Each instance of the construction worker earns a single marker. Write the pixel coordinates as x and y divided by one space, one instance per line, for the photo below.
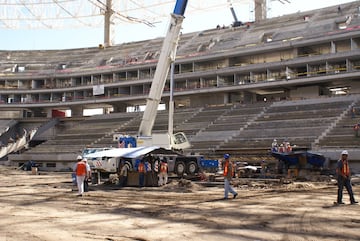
88 175
149 175
281 148
288 147
123 174
263 169
163 174
357 129
156 170
80 172
344 178
274 146
141 170
228 174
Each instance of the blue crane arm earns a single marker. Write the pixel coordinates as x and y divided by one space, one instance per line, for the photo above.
180 7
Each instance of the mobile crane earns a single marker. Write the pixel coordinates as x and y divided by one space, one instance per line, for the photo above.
146 138
177 141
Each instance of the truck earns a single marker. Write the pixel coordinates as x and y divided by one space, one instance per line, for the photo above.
108 161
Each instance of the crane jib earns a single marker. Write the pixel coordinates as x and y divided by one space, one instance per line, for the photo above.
180 7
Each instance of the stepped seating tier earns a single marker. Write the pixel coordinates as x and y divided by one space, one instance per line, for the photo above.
245 128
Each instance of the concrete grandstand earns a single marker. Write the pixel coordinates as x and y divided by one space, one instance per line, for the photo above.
294 77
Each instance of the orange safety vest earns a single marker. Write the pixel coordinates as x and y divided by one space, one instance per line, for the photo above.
141 167
81 169
163 167
345 170
289 149
226 169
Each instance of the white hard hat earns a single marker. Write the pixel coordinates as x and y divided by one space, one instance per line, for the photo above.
79 157
84 160
344 152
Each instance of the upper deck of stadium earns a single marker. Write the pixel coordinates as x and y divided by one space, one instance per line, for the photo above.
294 29
273 59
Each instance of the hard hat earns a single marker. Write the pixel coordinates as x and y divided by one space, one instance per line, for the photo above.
84 160
79 158
344 152
226 156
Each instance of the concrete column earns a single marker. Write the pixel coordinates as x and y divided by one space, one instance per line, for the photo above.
260 10
107 23
48 113
227 98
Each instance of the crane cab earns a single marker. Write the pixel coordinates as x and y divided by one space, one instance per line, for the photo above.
179 141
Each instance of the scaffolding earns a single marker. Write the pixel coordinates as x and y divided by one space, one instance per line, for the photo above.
70 14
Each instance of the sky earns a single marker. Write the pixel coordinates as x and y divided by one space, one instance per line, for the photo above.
38 39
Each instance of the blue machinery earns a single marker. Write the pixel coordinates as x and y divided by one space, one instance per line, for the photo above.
180 7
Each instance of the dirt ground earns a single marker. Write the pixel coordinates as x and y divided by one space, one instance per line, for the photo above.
45 207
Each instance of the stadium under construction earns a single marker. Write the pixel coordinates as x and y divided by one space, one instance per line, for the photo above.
236 88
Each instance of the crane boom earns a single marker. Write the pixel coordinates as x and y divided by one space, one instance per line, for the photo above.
232 11
236 22
167 56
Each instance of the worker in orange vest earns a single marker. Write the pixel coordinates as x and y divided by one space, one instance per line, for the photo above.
344 178
141 170
281 148
88 175
80 172
163 174
228 174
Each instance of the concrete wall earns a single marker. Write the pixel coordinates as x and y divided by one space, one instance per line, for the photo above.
355 87
305 92
10 114
209 99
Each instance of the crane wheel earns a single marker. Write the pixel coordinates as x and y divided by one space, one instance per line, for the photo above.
180 168
192 168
